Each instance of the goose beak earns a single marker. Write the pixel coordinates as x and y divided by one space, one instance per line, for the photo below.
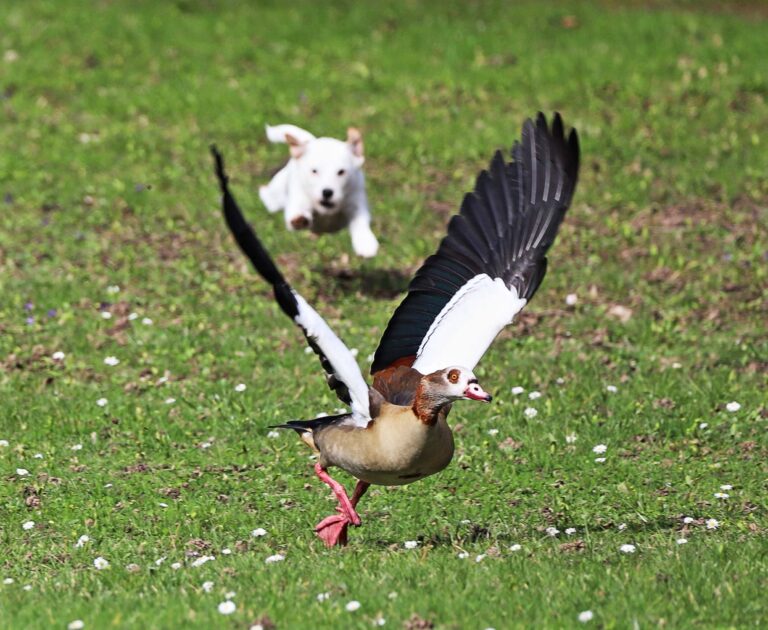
475 392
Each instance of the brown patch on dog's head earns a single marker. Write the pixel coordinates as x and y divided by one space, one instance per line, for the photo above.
297 148
355 142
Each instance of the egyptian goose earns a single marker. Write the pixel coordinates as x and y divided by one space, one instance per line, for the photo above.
485 271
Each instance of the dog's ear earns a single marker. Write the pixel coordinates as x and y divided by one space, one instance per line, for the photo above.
296 147
355 142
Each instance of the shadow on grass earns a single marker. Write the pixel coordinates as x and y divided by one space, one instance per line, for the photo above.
382 284
476 532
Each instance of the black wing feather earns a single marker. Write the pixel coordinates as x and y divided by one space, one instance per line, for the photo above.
504 229
247 240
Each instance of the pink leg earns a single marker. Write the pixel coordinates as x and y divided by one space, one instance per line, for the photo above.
341 495
333 529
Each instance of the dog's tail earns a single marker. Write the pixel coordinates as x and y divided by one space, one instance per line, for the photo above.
279 134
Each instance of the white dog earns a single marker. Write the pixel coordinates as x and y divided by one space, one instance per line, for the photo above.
322 187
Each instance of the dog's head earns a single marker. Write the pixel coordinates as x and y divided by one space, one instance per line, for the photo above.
327 166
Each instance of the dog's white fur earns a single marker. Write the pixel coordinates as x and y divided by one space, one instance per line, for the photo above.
322 187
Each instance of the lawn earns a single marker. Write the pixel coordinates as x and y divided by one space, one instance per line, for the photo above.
112 245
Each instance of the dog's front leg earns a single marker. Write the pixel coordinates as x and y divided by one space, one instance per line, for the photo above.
363 240
274 194
298 211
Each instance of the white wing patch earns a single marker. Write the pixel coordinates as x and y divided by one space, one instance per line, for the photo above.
468 324
344 363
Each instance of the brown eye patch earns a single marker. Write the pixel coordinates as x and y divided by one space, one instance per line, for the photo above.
453 376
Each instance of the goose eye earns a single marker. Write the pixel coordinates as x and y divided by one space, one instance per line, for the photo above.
453 376
341 172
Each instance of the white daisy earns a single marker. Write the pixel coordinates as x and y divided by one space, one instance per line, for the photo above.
703 425
111 361
688 520
480 557
76 447
585 616
147 321
411 544
176 566
240 387
208 586
160 561
571 299
226 552
38 456
58 355
599 449
227 607
612 389
101 563
622 527
273 435
113 288
462 555
722 495
106 315
534 395
627 548
733 406
493 432
22 472
321 597
726 486
530 412
352 606
570 531
133 316
77 624
258 532
202 560
552 531
8 581
3 442
515 547
712 523
102 402
570 438
170 401
27 587
28 525
681 541
599 460
517 390
278 557
81 541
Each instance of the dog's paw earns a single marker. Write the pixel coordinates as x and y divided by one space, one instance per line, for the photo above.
365 244
299 223
272 204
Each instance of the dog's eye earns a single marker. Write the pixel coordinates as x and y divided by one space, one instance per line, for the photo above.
341 172
314 171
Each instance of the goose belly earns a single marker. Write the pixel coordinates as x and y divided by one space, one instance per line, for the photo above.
390 454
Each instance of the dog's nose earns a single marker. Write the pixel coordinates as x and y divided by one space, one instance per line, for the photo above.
327 193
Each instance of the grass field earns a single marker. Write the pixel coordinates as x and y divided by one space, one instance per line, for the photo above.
105 181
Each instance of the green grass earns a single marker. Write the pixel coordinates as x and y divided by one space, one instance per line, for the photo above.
669 221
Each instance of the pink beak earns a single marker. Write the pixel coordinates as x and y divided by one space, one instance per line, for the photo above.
475 392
